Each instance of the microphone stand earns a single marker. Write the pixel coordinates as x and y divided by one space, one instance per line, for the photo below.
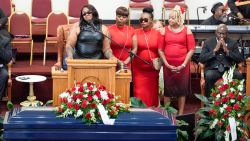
131 54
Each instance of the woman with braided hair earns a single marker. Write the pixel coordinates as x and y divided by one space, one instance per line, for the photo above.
176 49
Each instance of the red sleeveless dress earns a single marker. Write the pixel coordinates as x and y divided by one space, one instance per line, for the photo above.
145 77
122 36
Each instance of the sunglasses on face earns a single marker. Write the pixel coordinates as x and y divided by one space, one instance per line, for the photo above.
141 20
85 13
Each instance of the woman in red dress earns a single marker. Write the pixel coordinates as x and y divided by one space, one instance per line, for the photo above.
176 50
145 77
123 35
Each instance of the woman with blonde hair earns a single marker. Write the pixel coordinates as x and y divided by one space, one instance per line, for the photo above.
176 49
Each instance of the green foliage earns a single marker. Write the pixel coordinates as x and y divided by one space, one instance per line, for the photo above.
10 105
137 103
50 102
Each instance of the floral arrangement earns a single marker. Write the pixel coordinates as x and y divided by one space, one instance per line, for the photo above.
82 100
223 115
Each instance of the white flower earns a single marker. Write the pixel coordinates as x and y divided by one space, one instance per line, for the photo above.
78 101
104 95
232 89
232 100
221 109
226 136
214 123
85 96
224 93
79 113
240 87
64 94
239 114
224 105
217 96
95 89
95 97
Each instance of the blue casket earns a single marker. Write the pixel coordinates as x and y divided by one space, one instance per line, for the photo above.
42 124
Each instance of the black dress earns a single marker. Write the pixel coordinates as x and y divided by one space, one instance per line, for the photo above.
89 43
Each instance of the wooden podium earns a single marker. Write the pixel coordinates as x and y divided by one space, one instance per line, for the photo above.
99 71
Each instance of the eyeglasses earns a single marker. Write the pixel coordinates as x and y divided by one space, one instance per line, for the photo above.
85 13
141 20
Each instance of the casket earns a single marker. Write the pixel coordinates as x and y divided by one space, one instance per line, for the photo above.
42 124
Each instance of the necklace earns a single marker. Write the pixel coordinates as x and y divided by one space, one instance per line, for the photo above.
125 40
146 39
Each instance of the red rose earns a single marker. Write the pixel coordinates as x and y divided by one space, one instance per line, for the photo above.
97 93
217 103
234 83
228 128
59 109
101 87
80 89
90 88
212 112
65 100
231 95
111 96
111 112
90 98
70 105
93 105
117 107
89 84
104 102
225 116
73 89
228 108
225 86
77 106
236 107
88 116
84 103
74 97
80 96
214 94
220 123
239 97
224 99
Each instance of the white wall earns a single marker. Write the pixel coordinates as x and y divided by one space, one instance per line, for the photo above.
106 8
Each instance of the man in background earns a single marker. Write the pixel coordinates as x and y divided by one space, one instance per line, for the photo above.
5 58
3 22
218 54
219 15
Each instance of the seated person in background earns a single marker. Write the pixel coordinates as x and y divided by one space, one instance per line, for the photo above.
241 11
219 15
62 35
5 58
218 54
159 26
3 22
85 40
123 35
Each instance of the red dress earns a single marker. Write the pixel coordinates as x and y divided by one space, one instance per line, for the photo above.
176 47
145 77
122 36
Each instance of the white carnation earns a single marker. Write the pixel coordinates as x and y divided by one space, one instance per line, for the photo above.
104 95
232 89
221 109
78 101
64 94
232 100
214 123
79 113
